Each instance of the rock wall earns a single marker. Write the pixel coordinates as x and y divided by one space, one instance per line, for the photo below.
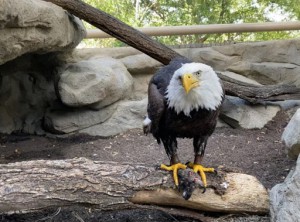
47 86
31 34
238 61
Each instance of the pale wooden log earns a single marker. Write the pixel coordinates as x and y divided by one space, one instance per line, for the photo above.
34 185
243 190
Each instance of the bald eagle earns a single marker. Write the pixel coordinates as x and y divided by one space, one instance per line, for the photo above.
184 100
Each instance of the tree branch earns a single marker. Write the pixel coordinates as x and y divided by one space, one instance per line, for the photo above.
258 94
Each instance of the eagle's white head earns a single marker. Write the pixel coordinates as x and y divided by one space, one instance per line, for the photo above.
194 86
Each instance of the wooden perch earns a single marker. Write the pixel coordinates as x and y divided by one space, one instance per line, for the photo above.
125 33
33 185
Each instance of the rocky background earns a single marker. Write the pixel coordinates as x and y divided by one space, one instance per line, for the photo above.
47 87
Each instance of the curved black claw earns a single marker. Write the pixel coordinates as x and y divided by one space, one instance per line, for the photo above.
216 172
204 190
157 167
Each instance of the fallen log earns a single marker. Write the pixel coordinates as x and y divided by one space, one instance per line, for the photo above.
34 185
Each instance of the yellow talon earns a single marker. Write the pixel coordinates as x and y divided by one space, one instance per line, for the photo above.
201 169
174 168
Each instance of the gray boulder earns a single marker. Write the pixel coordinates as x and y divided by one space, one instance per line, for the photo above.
129 115
284 198
36 26
268 62
291 136
96 82
237 113
142 63
211 56
63 121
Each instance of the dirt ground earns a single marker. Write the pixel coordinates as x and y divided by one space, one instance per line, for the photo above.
257 152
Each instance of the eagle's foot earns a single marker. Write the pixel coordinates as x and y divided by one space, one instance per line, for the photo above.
175 167
201 169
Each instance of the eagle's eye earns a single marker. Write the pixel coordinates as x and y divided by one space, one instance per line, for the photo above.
179 78
198 73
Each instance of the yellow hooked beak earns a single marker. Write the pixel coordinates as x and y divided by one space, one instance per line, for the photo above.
189 81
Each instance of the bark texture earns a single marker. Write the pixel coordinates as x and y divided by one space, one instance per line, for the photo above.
33 185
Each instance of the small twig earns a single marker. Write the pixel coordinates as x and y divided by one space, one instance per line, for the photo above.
51 216
77 216
170 215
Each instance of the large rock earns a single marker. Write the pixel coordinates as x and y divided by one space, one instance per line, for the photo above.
98 82
291 136
284 198
267 62
63 121
278 51
268 72
36 26
237 113
129 115
240 78
106 122
212 57
140 64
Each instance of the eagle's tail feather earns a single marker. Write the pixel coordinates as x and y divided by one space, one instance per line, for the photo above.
147 125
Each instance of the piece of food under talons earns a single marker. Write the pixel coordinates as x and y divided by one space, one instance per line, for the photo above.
201 169
188 181
175 167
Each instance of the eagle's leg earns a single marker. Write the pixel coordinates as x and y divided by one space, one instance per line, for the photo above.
199 148
170 145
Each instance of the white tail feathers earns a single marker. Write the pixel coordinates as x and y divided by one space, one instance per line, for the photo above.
147 125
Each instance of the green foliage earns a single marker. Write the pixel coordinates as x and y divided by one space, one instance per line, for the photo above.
143 13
